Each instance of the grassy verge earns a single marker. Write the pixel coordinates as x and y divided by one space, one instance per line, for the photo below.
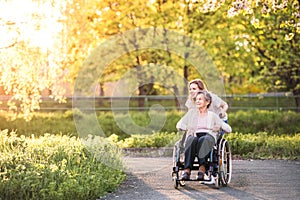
57 167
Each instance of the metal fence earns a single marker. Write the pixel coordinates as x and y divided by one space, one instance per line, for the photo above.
274 101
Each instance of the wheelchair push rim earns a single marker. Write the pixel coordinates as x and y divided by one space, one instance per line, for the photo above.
225 163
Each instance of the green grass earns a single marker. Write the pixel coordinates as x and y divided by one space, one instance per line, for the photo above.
252 121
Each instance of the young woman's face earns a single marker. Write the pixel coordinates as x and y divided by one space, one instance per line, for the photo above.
194 89
201 101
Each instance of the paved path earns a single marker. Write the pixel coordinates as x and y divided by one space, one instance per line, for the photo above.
150 178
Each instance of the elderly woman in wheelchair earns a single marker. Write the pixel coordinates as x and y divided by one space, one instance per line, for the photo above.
202 128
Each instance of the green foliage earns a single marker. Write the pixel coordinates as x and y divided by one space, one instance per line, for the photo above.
155 140
264 145
57 167
277 46
41 123
257 146
273 122
256 120
251 121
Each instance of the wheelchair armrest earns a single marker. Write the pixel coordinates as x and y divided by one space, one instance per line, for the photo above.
181 130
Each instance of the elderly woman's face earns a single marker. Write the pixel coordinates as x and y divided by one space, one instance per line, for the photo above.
201 102
194 89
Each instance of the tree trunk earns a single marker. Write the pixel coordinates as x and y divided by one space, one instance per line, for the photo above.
101 94
141 102
185 79
297 98
176 92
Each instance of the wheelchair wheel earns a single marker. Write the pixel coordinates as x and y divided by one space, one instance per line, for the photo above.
225 163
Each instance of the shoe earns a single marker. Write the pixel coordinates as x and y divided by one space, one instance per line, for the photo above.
200 176
185 176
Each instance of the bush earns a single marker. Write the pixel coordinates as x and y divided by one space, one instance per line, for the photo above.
57 167
155 140
264 145
273 122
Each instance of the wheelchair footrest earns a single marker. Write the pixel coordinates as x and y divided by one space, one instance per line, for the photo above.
194 179
206 180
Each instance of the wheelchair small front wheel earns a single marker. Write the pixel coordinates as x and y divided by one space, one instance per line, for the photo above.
182 183
175 179
217 181
175 183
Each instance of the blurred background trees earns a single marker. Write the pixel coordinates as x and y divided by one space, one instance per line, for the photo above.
253 43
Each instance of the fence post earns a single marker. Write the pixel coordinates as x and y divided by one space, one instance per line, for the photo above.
146 102
277 103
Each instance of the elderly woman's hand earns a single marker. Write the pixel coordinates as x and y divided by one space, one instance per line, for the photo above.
222 115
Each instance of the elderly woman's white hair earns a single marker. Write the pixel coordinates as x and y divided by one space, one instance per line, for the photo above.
206 95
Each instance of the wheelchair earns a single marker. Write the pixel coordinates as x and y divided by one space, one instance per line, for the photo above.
218 164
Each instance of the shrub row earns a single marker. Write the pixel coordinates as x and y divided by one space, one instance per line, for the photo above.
261 145
272 122
154 140
57 167
252 121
